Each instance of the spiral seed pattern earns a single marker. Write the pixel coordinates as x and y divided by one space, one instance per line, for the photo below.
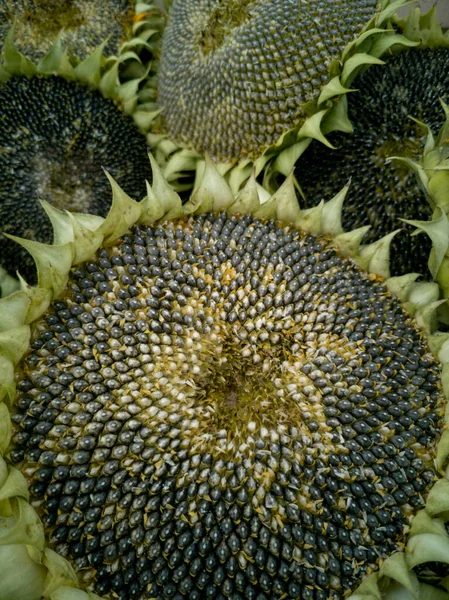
221 407
234 76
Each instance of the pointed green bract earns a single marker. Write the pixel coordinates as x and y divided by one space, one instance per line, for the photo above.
148 22
135 65
432 171
212 195
424 30
247 201
91 71
15 560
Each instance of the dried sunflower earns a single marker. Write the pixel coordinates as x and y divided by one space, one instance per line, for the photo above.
59 127
410 84
86 25
252 82
210 403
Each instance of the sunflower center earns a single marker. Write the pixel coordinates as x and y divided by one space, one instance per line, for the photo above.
67 185
245 397
50 17
409 144
225 17
240 388
235 391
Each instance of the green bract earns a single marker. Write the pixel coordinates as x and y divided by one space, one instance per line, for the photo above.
286 105
77 237
138 55
431 170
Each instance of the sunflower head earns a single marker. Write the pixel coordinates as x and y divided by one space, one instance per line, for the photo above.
86 25
266 76
61 126
194 386
386 113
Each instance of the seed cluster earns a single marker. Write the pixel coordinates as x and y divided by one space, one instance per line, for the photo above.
409 85
86 25
55 139
235 75
221 407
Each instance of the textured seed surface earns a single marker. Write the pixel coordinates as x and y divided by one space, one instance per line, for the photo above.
409 85
234 75
56 137
224 408
86 24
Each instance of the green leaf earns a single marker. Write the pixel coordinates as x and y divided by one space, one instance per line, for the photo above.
247 201
427 547
14 486
286 159
89 70
23 527
349 242
213 192
5 429
60 573
124 213
395 568
377 255
52 262
165 194
13 61
7 384
15 342
438 498
333 88
332 212
13 310
312 128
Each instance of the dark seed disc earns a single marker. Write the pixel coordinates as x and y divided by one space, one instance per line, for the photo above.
56 137
410 84
257 418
